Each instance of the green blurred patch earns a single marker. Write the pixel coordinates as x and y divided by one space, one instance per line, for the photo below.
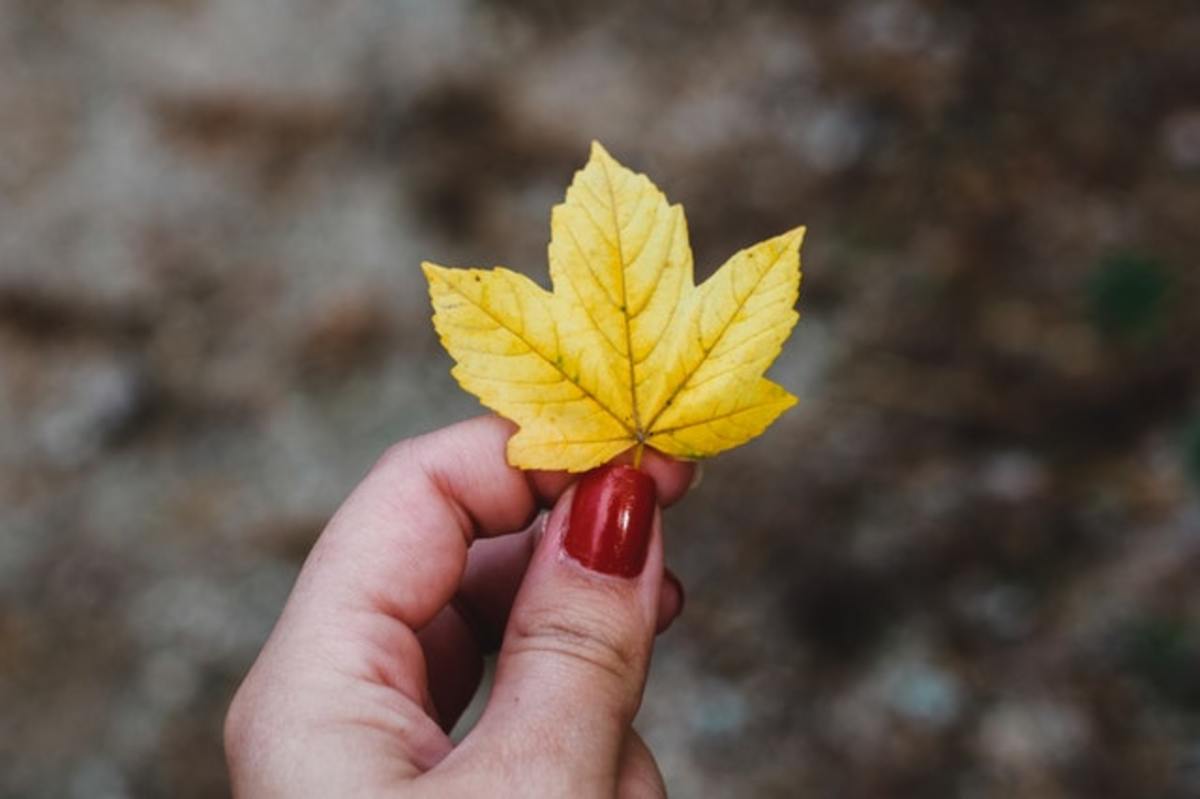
1191 450
1127 295
1163 653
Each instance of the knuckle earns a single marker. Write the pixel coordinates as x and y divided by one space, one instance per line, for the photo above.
394 456
590 640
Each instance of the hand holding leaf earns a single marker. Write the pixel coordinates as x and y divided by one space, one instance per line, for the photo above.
627 350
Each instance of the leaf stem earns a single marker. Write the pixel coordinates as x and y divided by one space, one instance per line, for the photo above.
637 454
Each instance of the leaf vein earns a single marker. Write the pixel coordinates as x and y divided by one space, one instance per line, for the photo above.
688 377
554 364
710 419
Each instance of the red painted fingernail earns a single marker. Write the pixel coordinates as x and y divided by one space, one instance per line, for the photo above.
610 520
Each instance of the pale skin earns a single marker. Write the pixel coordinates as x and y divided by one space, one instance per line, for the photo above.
437 556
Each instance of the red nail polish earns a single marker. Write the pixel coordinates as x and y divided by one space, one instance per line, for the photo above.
610 523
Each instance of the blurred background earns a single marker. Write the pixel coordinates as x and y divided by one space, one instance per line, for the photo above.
966 565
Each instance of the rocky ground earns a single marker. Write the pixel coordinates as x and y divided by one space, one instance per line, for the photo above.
967 565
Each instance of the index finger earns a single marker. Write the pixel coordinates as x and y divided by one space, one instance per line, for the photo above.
397 548
399 542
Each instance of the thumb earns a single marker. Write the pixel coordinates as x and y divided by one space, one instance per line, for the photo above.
576 651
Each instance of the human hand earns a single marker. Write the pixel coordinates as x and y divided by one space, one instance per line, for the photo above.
434 555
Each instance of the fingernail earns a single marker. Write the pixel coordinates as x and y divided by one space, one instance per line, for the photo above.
613 509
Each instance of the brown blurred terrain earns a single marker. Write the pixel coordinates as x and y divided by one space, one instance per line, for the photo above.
967 565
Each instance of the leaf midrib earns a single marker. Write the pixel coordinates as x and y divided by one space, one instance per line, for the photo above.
637 432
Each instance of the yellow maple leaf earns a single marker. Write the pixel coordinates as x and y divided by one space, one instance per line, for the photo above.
626 351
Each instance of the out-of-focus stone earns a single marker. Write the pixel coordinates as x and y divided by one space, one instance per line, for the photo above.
1181 138
721 710
889 26
1012 476
830 137
908 685
1005 611
1032 734
38 126
98 778
87 403
169 680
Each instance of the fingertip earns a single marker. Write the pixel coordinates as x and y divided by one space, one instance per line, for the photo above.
671 601
677 585
549 486
672 477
